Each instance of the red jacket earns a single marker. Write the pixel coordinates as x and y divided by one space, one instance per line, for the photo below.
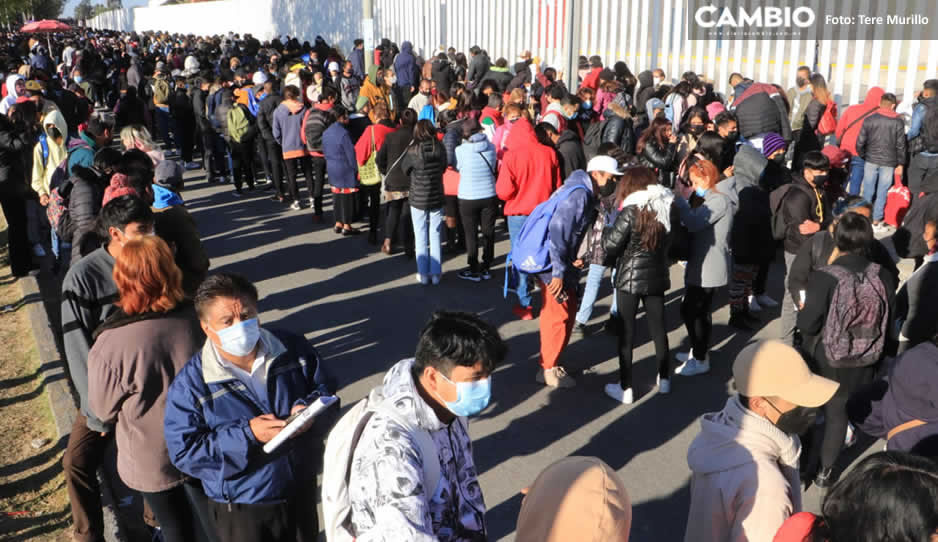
592 79
848 138
795 528
363 146
529 173
491 113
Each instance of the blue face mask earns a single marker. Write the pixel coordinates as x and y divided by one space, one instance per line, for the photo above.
239 339
701 192
471 397
79 79
587 104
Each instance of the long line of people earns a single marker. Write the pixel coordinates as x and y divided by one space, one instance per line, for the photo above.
627 173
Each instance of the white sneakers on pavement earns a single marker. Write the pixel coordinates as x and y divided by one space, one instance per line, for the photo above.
664 386
615 391
423 279
691 366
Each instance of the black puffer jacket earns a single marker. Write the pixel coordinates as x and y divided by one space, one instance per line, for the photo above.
570 153
14 143
761 111
751 238
84 204
619 129
425 162
265 116
452 139
882 139
478 67
394 145
908 238
638 271
664 161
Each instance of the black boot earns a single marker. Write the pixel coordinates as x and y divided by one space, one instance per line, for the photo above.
742 320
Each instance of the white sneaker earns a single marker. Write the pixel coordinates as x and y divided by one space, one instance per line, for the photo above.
766 301
754 305
693 367
664 386
422 279
683 356
435 280
616 392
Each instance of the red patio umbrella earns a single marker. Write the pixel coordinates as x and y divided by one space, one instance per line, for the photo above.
45 25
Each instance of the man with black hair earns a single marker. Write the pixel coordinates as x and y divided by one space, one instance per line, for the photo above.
88 296
478 66
85 195
806 209
447 381
357 58
882 146
180 107
317 120
499 74
923 137
274 164
556 112
96 136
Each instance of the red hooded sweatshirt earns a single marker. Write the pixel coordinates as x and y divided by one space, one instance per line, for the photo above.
529 173
848 130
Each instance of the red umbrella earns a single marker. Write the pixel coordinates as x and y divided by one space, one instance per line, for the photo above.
45 25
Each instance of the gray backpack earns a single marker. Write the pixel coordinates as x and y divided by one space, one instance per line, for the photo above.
855 331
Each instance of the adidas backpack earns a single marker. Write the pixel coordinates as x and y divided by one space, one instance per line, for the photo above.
855 331
531 253
340 450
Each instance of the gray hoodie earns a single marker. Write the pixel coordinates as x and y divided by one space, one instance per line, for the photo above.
745 480
710 225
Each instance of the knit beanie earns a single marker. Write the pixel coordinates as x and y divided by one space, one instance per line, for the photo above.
772 142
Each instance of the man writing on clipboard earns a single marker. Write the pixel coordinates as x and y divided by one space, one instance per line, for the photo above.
232 398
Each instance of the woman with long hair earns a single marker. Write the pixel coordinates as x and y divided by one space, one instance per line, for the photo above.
136 354
639 240
657 149
136 136
425 162
708 217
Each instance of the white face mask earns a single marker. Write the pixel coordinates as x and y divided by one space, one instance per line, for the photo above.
392 80
656 81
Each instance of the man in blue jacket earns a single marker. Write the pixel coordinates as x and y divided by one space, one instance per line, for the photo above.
568 225
230 399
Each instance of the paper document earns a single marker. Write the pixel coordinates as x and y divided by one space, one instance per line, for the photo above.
299 421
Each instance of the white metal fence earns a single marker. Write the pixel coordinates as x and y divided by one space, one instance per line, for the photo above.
645 34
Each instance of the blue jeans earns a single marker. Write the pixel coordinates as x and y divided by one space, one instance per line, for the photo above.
594 279
876 181
515 223
61 249
856 175
427 264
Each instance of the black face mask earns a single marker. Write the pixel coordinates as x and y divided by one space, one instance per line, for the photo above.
696 129
607 189
800 81
797 421
819 180
779 159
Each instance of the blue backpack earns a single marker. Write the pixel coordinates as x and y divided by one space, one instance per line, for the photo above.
531 253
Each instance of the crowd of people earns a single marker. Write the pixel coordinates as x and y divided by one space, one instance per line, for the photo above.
631 174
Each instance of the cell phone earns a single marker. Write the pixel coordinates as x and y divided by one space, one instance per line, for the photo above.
562 297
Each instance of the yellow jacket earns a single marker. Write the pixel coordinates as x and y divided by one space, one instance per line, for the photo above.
42 170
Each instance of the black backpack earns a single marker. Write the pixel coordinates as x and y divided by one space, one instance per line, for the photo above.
929 130
776 201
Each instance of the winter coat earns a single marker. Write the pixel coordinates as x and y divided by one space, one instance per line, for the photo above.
265 116
387 469
812 318
816 252
751 240
760 109
638 271
570 153
645 91
915 306
81 152
357 57
288 120
710 226
425 162
478 66
130 367
339 152
906 393
43 168
13 145
501 77
389 164
882 139
476 159
848 127
84 205
225 101
314 126
442 74
376 93
176 226
619 129
363 146
800 204
744 477
180 107
798 101
662 160
348 90
528 174
567 228
208 414
592 78
924 209
405 67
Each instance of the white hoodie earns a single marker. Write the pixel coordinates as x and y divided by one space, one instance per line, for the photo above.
745 480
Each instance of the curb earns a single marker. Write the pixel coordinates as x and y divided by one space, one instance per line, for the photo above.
57 387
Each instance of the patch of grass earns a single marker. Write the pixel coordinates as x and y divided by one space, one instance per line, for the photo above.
33 498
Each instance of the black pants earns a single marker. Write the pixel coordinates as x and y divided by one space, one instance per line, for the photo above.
343 207
696 311
293 520
399 216
177 511
242 160
14 209
654 315
316 180
293 166
273 165
213 154
835 410
758 286
920 167
371 200
185 138
478 213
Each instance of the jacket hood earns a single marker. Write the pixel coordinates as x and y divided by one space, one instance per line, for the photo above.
373 74
728 188
521 135
164 197
913 383
651 105
576 498
400 392
749 165
407 48
734 437
11 84
56 118
887 113
645 79
477 142
873 96
580 177
568 136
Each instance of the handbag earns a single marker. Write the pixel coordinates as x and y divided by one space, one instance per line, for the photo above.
368 172
898 201
828 122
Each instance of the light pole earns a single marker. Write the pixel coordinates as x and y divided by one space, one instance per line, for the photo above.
368 33
571 41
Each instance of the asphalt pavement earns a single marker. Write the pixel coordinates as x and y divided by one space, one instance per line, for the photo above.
363 312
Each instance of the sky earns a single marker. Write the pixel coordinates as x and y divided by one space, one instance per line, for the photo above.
70 5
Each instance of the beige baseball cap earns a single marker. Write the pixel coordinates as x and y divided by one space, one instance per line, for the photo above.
774 369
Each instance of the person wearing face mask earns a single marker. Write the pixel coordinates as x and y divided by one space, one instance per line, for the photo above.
745 460
915 309
88 296
799 96
856 297
691 129
422 98
235 395
448 380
